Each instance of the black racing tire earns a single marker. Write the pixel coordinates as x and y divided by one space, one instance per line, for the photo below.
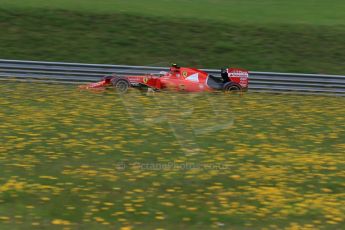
232 87
121 85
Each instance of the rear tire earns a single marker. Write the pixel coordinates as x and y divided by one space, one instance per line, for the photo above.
231 87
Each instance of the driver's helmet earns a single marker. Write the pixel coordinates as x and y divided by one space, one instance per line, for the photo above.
174 68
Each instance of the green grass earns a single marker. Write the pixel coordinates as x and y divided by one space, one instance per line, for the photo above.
277 159
225 11
269 35
280 159
128 39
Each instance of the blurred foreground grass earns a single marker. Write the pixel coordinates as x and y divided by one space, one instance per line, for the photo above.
84 160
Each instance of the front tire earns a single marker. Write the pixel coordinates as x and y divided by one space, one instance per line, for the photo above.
121 85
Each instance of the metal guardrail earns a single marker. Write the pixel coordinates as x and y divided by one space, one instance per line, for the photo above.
73 73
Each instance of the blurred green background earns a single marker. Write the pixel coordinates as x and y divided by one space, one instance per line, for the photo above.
268 35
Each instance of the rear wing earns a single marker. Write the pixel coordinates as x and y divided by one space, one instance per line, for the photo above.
239 76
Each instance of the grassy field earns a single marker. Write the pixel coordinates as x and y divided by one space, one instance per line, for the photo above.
224 11
287 36
84 160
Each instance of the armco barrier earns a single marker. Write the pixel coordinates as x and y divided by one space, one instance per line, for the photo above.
60 72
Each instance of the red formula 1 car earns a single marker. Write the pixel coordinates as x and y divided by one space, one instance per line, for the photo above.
178 79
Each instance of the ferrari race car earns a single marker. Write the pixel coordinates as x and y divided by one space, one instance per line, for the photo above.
178 79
